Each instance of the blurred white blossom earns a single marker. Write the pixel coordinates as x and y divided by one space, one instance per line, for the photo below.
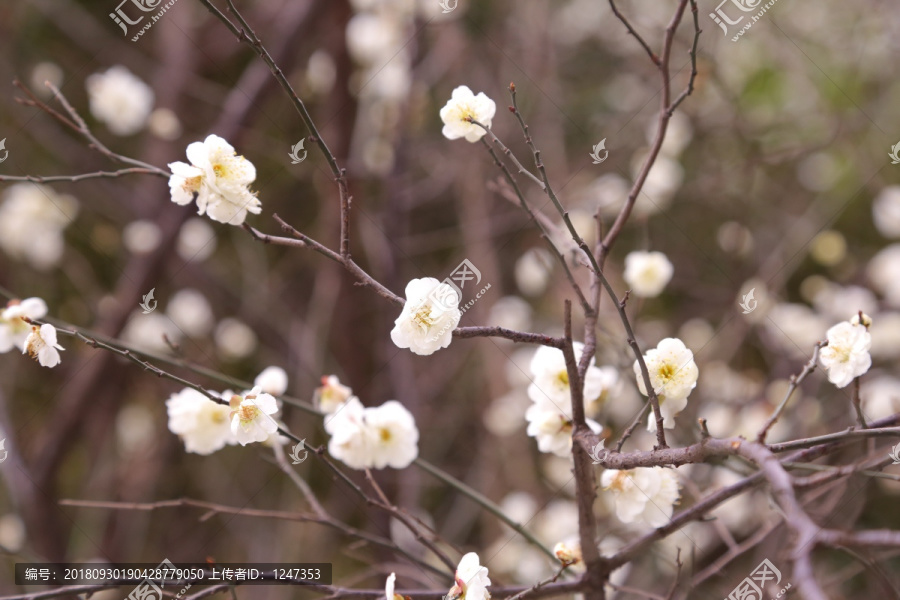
462 106
220 179
234 339
428 318
119 99
846 356
32 220
141 237
196 240
642 495
190 311
532 271
331 394
886 212
203 424
164 124
272 380
884 273
14 329
647 273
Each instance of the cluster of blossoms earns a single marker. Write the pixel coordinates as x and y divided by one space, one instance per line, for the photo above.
673 374
846 356
643 495
550 414
373 437
205 425
16 331
32 220
428 318
219 178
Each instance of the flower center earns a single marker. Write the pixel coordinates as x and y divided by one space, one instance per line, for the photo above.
563 378
247 413
618 484
385 434
666 371
423 317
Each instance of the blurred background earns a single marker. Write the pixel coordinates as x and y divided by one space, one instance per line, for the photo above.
775 177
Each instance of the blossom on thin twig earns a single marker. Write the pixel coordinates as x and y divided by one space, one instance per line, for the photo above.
202 424
846 356
331 394
471 580
642 495
463 108
251 419
673 374
41 345
219 178
428 318
375 437
647 273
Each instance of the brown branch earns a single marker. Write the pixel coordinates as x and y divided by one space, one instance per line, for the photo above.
80 177
631 30
796 380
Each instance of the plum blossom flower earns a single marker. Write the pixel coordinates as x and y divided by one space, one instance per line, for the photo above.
647 273
642 495
251 419
553 429
119 99
14 329
550 379
471 580
568 553
428 319
219 177
203 424
389 588
349 441
272 380
41 345
375 437
331 394
462 107
846 356
673 374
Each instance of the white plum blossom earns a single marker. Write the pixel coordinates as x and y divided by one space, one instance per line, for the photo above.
203 424
14 329
272 380
331 394
395 439
32 220
463 106
375 437
642 495
550 379
553 429
389 588
119 99
673 374
647 273
251 416
846 356
428 319
568 553
349 441
471 580
219 177
41 345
